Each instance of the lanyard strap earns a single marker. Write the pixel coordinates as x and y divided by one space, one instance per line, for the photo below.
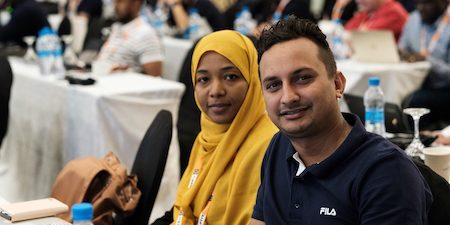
436 36
338 9
204 213
197 168
202 217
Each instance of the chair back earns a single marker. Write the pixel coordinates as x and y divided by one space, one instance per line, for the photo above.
149 166
188 124
440 189
6 78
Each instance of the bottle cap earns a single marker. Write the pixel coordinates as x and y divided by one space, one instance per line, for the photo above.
374 81
82 211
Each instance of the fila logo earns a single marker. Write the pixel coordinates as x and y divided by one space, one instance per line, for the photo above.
327 211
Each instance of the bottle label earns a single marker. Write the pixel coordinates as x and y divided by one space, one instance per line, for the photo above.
374 115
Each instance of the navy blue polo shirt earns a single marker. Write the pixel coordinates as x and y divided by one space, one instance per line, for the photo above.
367 180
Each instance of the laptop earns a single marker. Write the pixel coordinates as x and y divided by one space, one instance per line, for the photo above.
374 46
393 115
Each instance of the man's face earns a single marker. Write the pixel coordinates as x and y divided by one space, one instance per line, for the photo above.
369 5
124 10
300 96
430 10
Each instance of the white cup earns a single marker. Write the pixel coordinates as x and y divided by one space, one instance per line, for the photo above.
438 159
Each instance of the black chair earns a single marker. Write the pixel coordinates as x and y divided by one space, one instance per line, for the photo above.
6 78
188 124
149 166
440 188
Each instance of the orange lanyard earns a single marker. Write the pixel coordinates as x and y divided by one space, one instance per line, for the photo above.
282 5
436 36
338 9
204 213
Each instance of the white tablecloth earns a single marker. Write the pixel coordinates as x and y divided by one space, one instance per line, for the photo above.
52 122
175 50
396 80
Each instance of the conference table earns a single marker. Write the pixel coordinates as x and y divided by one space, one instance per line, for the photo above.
396 80
52 122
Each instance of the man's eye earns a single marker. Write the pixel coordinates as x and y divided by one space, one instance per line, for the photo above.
302 78
273 86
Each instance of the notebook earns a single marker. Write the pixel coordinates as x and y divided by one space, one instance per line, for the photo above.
393 115
374 46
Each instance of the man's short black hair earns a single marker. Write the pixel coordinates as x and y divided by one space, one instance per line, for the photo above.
293 28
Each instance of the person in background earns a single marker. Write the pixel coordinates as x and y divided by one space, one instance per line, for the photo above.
86 8
379 15
27 18
409 5
426 36
281 8
221 179
323 167
133 44
341 10
179 13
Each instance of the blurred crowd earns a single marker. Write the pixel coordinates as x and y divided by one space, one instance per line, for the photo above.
127 33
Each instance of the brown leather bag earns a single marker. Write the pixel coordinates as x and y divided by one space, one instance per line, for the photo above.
104 183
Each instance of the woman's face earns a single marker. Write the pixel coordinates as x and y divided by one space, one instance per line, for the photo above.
220 87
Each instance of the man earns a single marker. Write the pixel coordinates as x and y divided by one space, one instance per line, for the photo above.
323 167
379 15
133 44
426 36
27 18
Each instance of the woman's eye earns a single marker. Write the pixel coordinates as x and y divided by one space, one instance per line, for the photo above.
231 77
202 79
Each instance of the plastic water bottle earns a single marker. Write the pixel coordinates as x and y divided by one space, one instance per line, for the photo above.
49 51
82 214
244 23
58 69
194 31
338 45
44 51
374 105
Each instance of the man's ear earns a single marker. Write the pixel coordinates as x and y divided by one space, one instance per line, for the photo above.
339 84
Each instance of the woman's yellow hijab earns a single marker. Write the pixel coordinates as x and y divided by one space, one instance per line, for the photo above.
230 155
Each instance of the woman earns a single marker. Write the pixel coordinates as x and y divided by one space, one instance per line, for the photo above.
222 176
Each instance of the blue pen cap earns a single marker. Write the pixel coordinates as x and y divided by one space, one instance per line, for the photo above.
82 211
374 81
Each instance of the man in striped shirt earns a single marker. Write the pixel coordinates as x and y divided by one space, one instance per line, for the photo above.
133 44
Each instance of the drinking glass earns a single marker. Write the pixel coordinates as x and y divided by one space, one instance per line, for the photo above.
415 148
30 55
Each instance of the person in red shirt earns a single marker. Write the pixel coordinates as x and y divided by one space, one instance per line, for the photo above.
379 15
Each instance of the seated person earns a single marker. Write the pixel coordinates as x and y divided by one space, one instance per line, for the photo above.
133 44
27 18
379 15
222 174
86 8
281 8
342 10
323 167
426 36
179 9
